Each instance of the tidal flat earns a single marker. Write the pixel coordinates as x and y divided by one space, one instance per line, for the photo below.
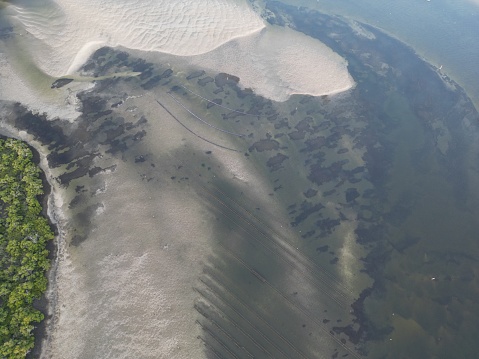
201 220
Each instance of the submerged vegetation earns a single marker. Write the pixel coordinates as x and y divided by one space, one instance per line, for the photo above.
24 234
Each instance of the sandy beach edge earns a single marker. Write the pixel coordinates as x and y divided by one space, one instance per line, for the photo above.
48 303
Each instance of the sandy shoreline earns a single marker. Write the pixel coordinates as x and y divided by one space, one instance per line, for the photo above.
57 220
73 289
275 62
161 233
59 28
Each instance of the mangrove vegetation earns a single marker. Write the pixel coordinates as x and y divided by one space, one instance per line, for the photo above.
24 234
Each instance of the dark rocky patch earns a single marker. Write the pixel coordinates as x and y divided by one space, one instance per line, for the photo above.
57 159
304 124
42 130
77 240
76 201
275 162
329 193
122 56
321 175
282 123
307 209
264 145
140 159
117 104
223 79
155 80
195 75
310 193
327 226
140 65
322 249
272 117
80 189
206 80
308 234
322 126
67 177
216 101
60 83
92 104
398 214
94 171
316 143
297 135
151 83
351 194
116 130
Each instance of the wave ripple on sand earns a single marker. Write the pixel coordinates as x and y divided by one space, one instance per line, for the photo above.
278 62
225 36
66 28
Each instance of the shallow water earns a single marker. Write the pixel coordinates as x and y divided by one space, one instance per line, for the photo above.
443 32
336 226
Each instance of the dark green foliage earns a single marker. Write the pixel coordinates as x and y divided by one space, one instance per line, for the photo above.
24 234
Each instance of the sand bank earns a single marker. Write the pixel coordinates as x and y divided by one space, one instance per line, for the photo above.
223 36
278 62
67 31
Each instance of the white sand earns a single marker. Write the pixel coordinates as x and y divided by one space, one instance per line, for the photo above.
69 30
127 290
278 62
225 36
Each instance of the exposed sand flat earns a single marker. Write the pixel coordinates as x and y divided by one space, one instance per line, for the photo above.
278 62
66 33
223 36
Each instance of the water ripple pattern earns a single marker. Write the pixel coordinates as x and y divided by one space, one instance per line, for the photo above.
69 31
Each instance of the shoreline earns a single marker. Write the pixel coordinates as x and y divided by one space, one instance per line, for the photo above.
55 215
41 330
453 74
46 304
193 34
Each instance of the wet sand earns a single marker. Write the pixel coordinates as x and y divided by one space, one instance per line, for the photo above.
181 240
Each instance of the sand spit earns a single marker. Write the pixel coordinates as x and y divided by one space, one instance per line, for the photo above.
278 62
222 36
66 33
